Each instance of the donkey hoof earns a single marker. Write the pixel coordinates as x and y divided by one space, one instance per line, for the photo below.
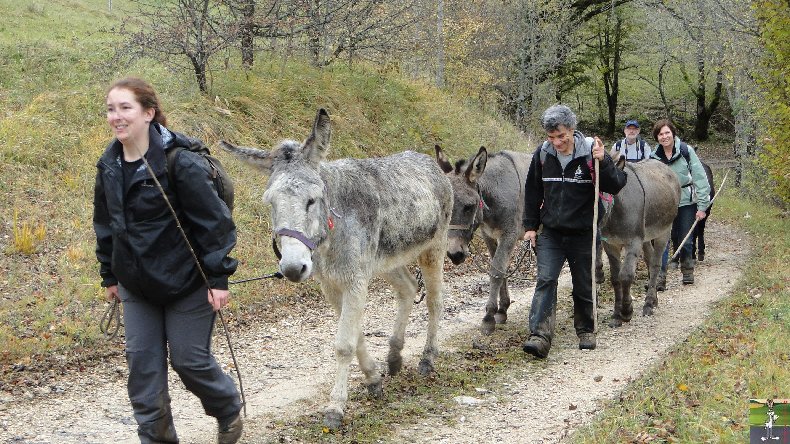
375 390
615 322
500 318
488 327
425 367
394 365
333 419
647 310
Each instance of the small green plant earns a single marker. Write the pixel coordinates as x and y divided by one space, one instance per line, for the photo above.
26 236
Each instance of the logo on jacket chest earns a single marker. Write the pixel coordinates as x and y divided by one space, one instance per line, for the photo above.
578 174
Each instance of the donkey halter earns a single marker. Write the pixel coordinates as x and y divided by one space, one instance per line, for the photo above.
301 237
470 227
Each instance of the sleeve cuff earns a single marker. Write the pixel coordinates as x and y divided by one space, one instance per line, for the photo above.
218 282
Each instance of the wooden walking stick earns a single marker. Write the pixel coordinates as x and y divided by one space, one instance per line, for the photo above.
595 250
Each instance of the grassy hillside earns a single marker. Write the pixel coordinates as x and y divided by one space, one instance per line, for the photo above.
54 68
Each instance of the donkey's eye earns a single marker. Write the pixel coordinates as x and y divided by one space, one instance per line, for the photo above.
310 203
469 208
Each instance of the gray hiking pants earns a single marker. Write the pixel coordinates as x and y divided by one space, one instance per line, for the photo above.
185 327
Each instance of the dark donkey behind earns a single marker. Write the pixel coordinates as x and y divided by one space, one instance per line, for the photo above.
348 220
488 192
698 239
639 221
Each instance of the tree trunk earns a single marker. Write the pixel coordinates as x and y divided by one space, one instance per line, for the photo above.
248 34
314 32
440 44
705 112
200 73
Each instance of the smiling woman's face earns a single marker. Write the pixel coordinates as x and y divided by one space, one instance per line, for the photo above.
665 137
127 118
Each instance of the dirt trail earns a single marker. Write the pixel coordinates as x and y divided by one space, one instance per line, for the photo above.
288 368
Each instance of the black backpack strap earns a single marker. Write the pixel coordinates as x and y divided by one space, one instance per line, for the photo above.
684 151
171 155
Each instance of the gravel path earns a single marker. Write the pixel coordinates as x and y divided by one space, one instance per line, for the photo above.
288 367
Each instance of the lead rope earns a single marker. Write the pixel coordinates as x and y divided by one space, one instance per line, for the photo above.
112 315
202 274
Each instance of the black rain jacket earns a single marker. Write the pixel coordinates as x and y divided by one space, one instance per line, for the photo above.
138 241
563 199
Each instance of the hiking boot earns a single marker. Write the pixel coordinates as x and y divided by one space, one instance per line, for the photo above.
537 347
230 433
587 341
688 276
687 268
661 281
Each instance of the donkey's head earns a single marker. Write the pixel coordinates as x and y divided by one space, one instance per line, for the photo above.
617 158
297 195
467 201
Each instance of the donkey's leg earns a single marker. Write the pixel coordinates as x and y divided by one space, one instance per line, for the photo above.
368 367
431 263
498 296
599 276
627 276
504 252
405 286
349 303
701 239
653 258
613 254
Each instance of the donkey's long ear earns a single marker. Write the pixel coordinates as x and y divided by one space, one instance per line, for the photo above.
477 166
443 160
618 158
261 159
316 146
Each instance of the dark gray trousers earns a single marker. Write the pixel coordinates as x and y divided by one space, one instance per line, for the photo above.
553 249
184 327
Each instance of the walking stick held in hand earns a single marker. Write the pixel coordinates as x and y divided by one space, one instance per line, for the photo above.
595 250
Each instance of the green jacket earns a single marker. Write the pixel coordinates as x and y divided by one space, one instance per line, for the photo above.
694 187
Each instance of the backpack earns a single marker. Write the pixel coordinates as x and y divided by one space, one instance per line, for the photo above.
220 177
684 152
641 148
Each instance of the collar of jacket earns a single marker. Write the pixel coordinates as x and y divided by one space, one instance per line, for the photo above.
159 137
660 155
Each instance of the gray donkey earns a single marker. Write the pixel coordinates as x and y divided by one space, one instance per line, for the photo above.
640 221
348 220
488 192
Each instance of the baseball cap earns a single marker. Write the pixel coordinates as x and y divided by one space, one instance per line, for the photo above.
632 122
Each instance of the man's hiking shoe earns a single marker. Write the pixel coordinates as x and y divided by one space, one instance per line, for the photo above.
537 347
587 341
688 276
230 433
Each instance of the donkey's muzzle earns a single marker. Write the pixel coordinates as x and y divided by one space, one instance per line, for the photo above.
457 257
295 272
